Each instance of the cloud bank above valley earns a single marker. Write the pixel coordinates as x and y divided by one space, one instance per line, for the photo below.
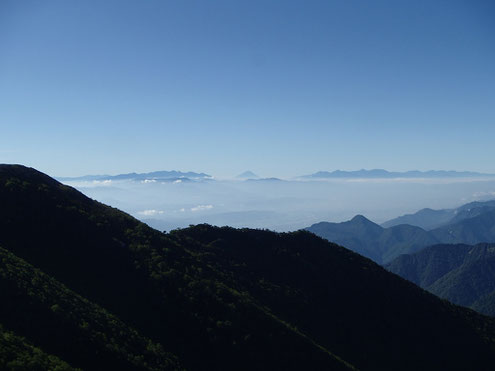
281 205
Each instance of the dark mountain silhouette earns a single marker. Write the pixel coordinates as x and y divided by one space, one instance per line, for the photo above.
430 219
381 173
217 298
155 175
462 274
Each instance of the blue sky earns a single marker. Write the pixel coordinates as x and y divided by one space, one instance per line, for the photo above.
279 87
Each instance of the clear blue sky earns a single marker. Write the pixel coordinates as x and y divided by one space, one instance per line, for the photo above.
279 87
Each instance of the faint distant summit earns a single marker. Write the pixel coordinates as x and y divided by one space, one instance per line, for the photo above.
381 173
247 175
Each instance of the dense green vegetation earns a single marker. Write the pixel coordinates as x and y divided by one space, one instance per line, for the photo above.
217 298
463 274
69 325
18 354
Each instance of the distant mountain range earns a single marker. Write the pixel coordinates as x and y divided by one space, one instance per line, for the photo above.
430 219
381 173
471 224
462 274
86 286
155 175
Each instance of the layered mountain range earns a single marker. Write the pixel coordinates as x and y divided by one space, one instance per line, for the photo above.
86 286
470 224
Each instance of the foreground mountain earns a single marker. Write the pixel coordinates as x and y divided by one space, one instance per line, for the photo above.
380 173
18 354
210 298
430 219
463 274
67 324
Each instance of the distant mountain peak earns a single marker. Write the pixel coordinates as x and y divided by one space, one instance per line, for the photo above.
361 219
247 175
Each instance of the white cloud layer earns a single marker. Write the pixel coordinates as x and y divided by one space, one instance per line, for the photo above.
102 182
152 212
201 208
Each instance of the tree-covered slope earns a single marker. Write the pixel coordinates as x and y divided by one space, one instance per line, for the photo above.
16 353
480 228
70 326
221 298
146 278
463 274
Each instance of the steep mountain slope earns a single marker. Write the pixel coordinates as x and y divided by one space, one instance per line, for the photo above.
463 274
146 278
81 332
369 239
18 354
221 298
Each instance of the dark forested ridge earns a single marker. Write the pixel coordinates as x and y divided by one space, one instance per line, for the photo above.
463 274
211 298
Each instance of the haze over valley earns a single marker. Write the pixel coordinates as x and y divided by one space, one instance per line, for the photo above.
168 200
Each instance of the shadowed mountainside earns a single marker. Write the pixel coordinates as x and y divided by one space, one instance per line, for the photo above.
463 274
217 298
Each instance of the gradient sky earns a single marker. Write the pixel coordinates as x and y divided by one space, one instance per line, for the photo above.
278 87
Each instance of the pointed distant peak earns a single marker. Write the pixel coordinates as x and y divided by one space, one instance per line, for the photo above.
247 175
360 219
